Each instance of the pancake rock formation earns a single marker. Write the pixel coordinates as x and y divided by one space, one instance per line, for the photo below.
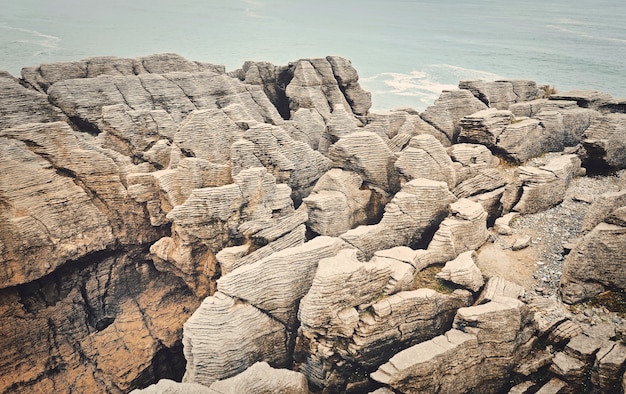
168 226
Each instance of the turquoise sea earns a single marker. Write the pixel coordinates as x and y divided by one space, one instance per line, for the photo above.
406 51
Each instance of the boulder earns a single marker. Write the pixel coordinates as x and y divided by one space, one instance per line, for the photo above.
544 187
609 365
168 386
418 208
19 105
595 264
225 336
584 98
449 109
499 287
470 160
502 94
425 157
399 125
463 271
602 207
516 139
604 142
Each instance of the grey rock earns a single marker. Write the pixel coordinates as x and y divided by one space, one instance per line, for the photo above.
584 98
276 283
499 287
426 158
167 386
602 207
610 362
419 206
502 94
470 159
521 243
554 386
604 142
449 109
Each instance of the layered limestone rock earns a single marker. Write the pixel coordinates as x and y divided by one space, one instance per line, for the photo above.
502 94
544 187
45 75
604 142
209 220
338 203
483 347
425 157
449 109
346 325
463 271
516 139
225 336
469 160
464 230
366 154
400 125
596 263
261 378
417 208
285 276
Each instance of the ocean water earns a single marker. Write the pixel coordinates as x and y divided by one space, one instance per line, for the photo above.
406 51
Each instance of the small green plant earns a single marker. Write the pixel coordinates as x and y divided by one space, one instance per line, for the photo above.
427 278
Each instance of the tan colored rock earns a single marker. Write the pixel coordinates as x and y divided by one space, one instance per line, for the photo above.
610 362
464 230
602 207
261 378
225 336
340 284
554 386
403 320
425 157
568 368
594 264
418 207
463 271
486 180
470 160
449 109
499 287
400 125
286 277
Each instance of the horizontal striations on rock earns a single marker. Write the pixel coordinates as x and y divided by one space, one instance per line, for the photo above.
502 94
225 336
605 143
449 109
338 203
19 105
417 208
286 277
425 157
261 378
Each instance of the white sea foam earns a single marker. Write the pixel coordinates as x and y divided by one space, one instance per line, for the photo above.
587 35
46 41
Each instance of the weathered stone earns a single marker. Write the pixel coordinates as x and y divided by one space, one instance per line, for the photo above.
563 332
486 180
544 187
583 347
568 368
536 360
497 286
225 336
167 386
347 78
340 284
461 361
604 142
503 224
464 230
594 264
426 158
602 208
417 208
261 378
528 108
449 108
463 271
523 388
554 386
521 243
485 127
338 203
502 94
584 98
400 125
366 154
470 159
286 277
609 365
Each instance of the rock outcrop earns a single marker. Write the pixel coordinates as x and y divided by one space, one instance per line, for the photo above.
261 231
